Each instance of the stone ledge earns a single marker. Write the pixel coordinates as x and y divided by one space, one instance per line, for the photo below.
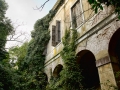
103 61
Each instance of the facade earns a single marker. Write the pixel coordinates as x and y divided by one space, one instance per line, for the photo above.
98 45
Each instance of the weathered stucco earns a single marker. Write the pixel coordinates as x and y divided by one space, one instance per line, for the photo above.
98 43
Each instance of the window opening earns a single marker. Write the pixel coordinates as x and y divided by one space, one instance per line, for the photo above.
77 18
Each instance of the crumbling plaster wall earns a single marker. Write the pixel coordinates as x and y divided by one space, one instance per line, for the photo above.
63 14
98 43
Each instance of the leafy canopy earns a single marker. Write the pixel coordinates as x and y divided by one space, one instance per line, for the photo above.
5 28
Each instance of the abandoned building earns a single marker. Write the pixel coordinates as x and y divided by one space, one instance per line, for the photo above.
98 44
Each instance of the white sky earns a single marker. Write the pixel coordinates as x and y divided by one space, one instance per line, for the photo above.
21 11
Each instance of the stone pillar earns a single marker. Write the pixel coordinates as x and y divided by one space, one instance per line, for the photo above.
106 74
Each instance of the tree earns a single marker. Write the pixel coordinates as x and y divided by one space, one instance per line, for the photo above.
5 29
6 76
17 54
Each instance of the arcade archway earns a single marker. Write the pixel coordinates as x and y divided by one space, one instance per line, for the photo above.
114 53
57 70
86 61
114 47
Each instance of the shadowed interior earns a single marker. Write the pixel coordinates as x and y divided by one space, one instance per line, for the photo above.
86 61
57 70
114 47
114 53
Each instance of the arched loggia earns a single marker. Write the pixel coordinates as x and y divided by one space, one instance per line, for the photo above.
86 61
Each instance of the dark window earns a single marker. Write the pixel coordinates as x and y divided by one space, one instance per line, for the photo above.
77 18
56 33
53 35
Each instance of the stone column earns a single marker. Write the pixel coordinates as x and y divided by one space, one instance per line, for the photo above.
106 74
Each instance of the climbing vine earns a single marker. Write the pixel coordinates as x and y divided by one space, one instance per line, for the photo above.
33 64
70 77
34 60
32 76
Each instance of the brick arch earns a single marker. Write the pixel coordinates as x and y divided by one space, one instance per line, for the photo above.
114 47
83 51
57 70
86 61
114 53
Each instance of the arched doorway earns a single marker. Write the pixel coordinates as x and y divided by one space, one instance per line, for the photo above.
56 74
86 61
114 52
114 47
57 70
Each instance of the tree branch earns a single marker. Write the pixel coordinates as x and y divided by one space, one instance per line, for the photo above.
41 7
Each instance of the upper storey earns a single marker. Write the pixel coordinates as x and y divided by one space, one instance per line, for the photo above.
71 14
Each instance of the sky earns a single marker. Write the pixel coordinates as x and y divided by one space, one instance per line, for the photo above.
21 13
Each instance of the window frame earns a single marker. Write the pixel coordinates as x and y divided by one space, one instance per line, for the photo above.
72 15
56 33
53 36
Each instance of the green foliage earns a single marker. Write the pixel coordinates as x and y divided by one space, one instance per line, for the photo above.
34 60
33 63
6 80
97 4
70 77
5 29
8 76
30 58
3 55
3 8
17 54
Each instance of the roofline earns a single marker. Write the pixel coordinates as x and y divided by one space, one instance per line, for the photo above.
56 4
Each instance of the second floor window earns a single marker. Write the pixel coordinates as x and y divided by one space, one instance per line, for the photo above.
76 12
56 33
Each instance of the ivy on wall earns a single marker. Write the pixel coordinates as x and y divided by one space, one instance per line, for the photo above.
34 60
70 77
33 76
